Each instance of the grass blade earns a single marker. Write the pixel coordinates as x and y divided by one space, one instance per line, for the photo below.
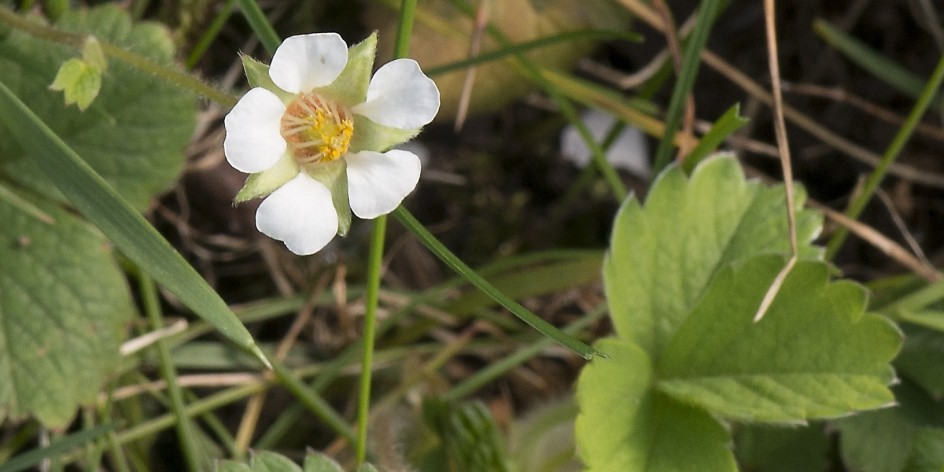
691 60
725 126
124 226
29 459
891 154
875 63
478 281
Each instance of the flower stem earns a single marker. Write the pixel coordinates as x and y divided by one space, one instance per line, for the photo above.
375 261
260 25
401 48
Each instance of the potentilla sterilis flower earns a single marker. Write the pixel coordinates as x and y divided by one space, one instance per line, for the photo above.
315 132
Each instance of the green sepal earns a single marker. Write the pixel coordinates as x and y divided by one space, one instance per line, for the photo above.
257 74
369 136
263 183
350 88
79 82
334 176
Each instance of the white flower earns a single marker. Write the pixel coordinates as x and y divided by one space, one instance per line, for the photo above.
628 151
316 133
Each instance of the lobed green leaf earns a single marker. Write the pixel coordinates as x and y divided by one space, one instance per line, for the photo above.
816 354
121 223
317 462
895 439
135 131
64 306
663 256
626 425
79 82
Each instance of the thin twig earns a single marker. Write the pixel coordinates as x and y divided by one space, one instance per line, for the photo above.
842 95
883 243
675 49
923 177
781 130
890 248
475 46
902 227
807 124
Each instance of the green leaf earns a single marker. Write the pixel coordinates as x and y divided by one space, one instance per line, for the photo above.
317 462
816 354
124 226
886 440
79 82
135 131
266 461
927 452
232 466
624 425
778 449
12 198
64 305
920 358
662 257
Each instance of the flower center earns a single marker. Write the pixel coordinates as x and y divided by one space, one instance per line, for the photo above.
317 129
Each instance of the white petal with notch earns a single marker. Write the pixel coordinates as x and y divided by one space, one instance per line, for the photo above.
377 183
304 62
254 140
300 214
400 96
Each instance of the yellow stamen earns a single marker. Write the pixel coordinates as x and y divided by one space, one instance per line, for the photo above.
317 129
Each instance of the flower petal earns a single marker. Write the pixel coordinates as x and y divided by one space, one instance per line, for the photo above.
377 183
400 96
629 151
300 214
304 62
253 140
